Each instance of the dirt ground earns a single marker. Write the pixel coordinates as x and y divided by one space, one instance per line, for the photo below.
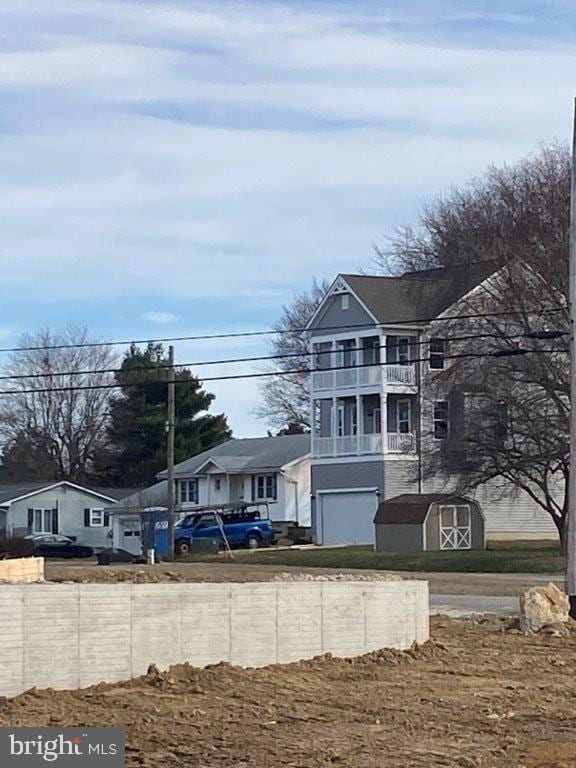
474 696
440 583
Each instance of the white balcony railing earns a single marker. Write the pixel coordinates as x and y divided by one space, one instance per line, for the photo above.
369 376
401 442
359 445
400 374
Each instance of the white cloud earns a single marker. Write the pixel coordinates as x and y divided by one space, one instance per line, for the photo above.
160 318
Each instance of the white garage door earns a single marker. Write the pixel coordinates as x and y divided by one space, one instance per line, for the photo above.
347 518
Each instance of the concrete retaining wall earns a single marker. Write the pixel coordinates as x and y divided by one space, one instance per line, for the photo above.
70 636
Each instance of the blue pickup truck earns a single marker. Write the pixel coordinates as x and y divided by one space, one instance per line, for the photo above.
243 527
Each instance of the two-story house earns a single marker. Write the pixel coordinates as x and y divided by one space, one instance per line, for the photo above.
369 407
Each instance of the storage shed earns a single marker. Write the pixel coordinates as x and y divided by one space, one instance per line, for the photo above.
429 521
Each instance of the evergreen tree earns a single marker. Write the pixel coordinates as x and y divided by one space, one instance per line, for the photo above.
136 449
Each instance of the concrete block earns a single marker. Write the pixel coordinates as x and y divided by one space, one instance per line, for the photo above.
253 624
11 640
206 626
299 620
343 618
156 626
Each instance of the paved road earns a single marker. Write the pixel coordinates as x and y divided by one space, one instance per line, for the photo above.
466 605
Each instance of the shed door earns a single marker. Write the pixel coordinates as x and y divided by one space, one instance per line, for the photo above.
455 526
347 518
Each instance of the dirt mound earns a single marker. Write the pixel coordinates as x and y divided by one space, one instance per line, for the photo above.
474 697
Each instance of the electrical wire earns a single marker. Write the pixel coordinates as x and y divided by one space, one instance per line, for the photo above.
540 335
273 332
234 377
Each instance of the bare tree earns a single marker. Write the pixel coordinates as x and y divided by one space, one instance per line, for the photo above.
64 427
286 398
520 210
509 413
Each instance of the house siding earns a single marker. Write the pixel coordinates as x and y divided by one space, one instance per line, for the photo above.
368 474
334 317
401 477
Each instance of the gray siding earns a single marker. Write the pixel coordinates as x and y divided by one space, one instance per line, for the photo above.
364 474
403 538
401 477
333 316
70 504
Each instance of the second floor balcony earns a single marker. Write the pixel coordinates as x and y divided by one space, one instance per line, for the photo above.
361 445
354 377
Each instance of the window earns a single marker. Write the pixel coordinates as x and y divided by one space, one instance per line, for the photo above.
217 484
265 488
354 420
206 521
345 301
96 518
42 521
340 414
403 416
440 420
188 491
371 355
403 350
437 354
376 421
346 353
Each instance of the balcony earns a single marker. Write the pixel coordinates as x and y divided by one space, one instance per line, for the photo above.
360 445
369 376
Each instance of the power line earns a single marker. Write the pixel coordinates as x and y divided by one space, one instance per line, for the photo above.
537 335
272 332
233 377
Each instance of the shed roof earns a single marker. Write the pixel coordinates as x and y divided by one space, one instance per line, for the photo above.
412 508
421 295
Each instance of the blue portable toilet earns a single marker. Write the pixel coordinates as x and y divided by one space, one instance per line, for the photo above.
155 531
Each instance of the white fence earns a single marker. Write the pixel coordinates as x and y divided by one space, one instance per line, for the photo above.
350 378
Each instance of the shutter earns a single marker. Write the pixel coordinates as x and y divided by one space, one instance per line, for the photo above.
30 520
253 488
87 518
55 521
106 519
275 487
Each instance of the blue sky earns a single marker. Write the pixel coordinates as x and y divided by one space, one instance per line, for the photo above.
182 167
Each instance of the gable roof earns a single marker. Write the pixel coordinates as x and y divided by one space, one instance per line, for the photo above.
412 508
10 492
418 296
248 455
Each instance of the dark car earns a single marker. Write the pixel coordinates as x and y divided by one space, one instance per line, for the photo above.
54 545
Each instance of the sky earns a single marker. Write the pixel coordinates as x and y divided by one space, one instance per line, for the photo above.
181 167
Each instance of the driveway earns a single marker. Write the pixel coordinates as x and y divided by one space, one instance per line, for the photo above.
458 606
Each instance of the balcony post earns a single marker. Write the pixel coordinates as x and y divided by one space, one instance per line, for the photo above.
359 421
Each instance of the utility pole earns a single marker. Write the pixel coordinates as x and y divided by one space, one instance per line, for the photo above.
570 531
170 428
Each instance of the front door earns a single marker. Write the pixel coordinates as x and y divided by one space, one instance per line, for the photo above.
403 416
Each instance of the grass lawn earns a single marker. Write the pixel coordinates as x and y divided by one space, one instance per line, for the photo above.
545 559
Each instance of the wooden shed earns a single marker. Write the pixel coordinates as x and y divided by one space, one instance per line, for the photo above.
429 521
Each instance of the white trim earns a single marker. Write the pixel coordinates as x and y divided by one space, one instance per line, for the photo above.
365 459
92 523
204 463
57 485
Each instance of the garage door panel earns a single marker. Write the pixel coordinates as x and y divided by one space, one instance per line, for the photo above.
348 518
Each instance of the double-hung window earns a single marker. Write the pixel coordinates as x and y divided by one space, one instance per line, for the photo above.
188 491
96 518
265 488
440 420
437 354
42 521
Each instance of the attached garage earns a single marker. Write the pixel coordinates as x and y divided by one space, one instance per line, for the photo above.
429 521
345 517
